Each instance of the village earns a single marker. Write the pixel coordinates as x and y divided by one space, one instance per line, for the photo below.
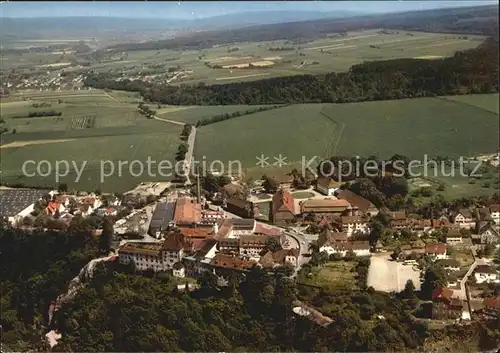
162 228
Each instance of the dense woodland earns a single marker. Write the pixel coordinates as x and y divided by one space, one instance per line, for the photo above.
471 71
475 20
119 310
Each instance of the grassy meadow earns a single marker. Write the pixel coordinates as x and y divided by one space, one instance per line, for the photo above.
117 133
449 126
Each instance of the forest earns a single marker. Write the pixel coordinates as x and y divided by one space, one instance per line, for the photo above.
120 309
465 20
467 72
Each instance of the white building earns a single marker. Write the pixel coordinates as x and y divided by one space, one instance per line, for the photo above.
464 219
327 186
495 213
354 224
486 274
436 251
155 256
178 270
360 248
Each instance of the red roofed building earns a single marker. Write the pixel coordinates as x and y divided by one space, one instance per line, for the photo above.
436 250
187 212
53 207
283 207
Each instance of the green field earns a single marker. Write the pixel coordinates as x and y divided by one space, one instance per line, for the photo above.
412 127
328 54
192 114
332 53
332 275
117 133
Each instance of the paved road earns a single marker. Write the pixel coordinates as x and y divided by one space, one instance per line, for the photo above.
461 293
188 159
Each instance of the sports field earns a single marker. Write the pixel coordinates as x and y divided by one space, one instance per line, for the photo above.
111 130
412 127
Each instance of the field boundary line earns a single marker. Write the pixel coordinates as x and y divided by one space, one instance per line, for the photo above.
333 149
467 104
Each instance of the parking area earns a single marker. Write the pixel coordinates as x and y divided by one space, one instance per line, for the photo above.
390 276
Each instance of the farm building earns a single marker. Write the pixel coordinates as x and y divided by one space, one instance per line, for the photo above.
162 219
19 203
283 207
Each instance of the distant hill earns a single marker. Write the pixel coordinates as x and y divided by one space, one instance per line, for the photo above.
93 26
464 20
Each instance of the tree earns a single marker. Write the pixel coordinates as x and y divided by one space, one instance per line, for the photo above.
14 131
106 236
273 244
409 291
62 187
270 184
396 253
434 277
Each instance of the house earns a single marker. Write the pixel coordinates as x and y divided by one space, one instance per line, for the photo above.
242 208
283 207
332 237
455 237
19 203
357 202
178 270
441 223
354 225
445 307
360 248
492 305
327 186
84 210
449 264
143 255
285 181
252 245
281 257
53 208
486 274
62 199
488 234
436 250
464 219
419 226
211 217
162 219
159 256
397 220
495 213
329 205
187 212
223 261
93 201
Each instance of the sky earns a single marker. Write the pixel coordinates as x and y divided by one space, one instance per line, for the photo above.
193 9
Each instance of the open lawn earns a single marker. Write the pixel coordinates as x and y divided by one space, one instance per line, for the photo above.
85 133
332 275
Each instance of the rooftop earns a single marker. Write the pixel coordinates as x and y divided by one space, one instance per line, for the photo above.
324 205
150 249
485 269
187 211
355 200
435 248
163 215
13 201
226 261
327 182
